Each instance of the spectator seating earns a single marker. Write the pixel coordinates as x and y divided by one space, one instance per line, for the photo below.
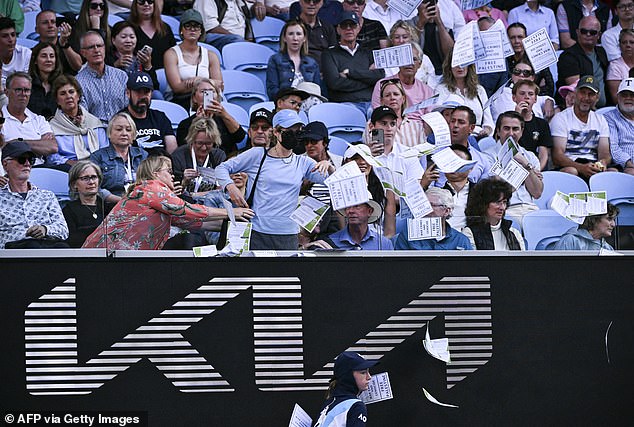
564 182
243 89
337 145
113 19
214 50
269 105
174 24
238 113
53 180
26 42
342 120
267 32
174 112
162 80
245 56
544 224
618 185
29 25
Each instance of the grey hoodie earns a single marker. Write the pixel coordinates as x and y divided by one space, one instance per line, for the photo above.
580 239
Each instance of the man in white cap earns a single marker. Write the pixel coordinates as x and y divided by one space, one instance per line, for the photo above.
621 124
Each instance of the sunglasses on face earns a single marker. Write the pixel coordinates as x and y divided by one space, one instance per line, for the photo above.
587 32
192 26
358 2
95 6
523 73
23 159
142 2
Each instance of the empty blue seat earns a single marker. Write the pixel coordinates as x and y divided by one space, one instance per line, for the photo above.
173 23
238 113
174 112
29 24
337 145
342 120
245 56
542 224
113 19
162 80
267 32
243 89
559 181
53 180
618 185
26 42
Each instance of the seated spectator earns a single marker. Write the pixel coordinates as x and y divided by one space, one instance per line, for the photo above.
119 160
516 33
289 98
87 210
536 136
48 30
13 56
154 131
442 205
621 124
349 69
142 220
403 33
458 185
314 95
568 94
231 133
291 65
372 35
510 124
328 12
21 124
358 234
620 67
591 235
487 229
126 53
535 16
93 16
78 133
187 61
570 13
150 29
277 174
464 83
224 22
276 8
203 140
321 33
30 217
544 106
585 58
103 86
581 144
44 68
11 9
260 128
610 38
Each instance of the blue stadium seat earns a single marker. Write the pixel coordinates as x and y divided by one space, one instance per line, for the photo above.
337 145
53 180
250 57
618 185
162 80
269 105
214 50
626 211
243 89
564 182
26 42
238 113
542 224
173 23
174 112
342 120
29 24
267 32
113 19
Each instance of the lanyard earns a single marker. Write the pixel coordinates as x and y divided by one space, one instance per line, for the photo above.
198 179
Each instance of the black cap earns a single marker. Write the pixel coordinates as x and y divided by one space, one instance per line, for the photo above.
348 16
349 361
15 149
315 131
291 91
140 80
380 112
590 82
261 114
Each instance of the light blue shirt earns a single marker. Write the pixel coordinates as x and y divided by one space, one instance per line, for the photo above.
66 147
543 17
104 96
370 242
621 136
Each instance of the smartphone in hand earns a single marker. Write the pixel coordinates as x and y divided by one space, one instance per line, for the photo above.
377 142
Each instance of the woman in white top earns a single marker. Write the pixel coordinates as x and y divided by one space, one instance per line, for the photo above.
464 83
187 61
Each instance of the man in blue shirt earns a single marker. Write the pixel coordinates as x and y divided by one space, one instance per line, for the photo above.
357 234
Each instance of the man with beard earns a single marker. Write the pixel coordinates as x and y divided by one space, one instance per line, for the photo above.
621 123
154 130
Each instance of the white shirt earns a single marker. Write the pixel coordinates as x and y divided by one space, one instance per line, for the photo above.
410 168
32 128
233 21
19 62
387 17
582 139
451 16
505 102
610 42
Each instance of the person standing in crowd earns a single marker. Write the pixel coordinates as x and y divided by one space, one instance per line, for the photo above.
372 35
150 29
581 138
30 217
13 56
487 229
591 235
275 179
349 69
343 406
621 124
291 65
535 16
321 34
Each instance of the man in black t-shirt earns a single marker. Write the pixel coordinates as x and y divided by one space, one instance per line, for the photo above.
154 130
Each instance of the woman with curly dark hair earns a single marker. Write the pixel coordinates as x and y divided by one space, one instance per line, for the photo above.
486 227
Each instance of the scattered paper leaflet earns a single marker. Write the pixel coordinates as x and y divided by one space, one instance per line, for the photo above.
379 389
577 206
419 150
506 167
429 227
432 399
392 57
205 251
449 162
437 348
404 7
439 126
347 186
416 199
299 418
433 100
391 180
238 239
494 61
309 213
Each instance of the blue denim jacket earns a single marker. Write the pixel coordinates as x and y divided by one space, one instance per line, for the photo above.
113 167
281 72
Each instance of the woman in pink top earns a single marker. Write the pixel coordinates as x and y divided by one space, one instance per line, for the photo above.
486 10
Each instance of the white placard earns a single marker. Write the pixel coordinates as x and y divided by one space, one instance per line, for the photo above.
597 203
464 46
494 61
438 348
540 50
449 162
309 213
433 100
300 418
348 192
429 227
404 7
439 126
348 170
391 180
506 44
392 57
379 389
416 199
513 173
419 150
432 399
238 236
229 208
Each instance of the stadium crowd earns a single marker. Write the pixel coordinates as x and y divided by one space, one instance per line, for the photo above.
129 101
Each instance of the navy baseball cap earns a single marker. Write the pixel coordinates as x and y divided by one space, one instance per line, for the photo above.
348 16
315 131
140 80
16 149
349 361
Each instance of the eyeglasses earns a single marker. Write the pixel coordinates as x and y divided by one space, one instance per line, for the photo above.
587 32
22 90
95 6
628 6
94 46
23 159
263 128
203 143
502 202
358 2
169 170
142 2
312 1
438 205
88 178
192 26
523 73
